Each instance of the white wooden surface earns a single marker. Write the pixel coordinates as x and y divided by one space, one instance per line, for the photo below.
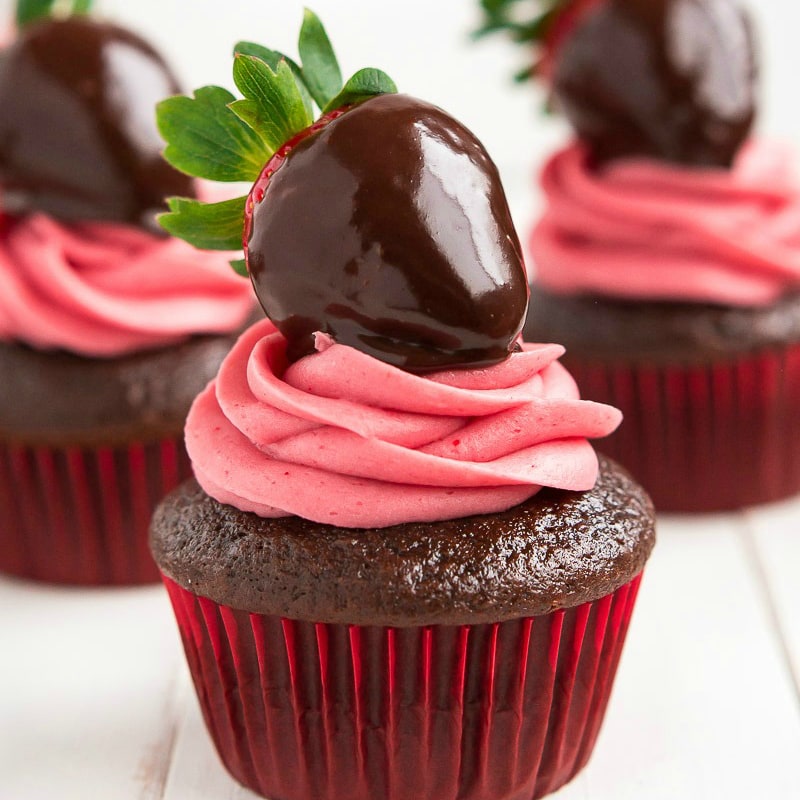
95 700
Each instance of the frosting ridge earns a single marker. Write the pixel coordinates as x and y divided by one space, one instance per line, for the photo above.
103 290
640 229
340 437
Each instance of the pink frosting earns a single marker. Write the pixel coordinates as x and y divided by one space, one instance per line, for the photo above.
642 229
105 290
342 438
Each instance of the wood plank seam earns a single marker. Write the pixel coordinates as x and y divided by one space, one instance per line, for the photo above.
753 552
156 763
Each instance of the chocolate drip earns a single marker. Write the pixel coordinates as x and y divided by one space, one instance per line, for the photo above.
78 138
389 230
669 79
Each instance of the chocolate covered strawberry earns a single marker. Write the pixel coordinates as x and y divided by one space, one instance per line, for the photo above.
77 138
668 79
382 224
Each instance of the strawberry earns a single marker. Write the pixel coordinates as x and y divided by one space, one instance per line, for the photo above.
76 137
558 32
6 223
667 79
382 224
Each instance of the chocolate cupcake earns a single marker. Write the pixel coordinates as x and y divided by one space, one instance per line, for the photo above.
667 256
108 328
384 634
400 571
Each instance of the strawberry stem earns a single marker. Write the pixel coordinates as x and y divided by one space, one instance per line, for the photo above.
545 30
215 136
29 11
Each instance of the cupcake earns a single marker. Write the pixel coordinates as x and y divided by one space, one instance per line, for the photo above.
667 260
400 571
108 327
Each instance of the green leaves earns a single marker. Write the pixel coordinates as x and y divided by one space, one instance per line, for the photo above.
240 267
205 138
364 84
216 136
31 10
273 105
505 15
272 58
210 226
508 16
320 78
321 71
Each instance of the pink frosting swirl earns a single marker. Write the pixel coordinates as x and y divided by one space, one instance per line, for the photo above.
342 438
641 229
104 290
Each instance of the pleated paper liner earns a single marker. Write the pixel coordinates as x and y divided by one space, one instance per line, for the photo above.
304 711
81 515
705 437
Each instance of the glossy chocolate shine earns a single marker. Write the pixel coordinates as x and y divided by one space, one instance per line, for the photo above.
389 230
669 79
78 138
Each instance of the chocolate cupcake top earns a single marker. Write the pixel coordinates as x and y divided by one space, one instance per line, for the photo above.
141 397
620 331
556 550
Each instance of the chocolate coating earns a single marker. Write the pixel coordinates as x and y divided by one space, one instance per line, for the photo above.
614 330
78 138
390 231
668 79
557 550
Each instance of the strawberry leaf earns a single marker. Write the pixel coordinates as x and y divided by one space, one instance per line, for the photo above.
216 136
503 15
272 58
525 24
321 71
30 10
526 73
273 105
208 140
240 267
210 226
364 84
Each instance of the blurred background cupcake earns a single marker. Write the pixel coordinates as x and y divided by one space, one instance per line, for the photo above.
108 327
667 259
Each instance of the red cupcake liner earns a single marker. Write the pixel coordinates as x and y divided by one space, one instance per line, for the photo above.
704 437
78 515
305 711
